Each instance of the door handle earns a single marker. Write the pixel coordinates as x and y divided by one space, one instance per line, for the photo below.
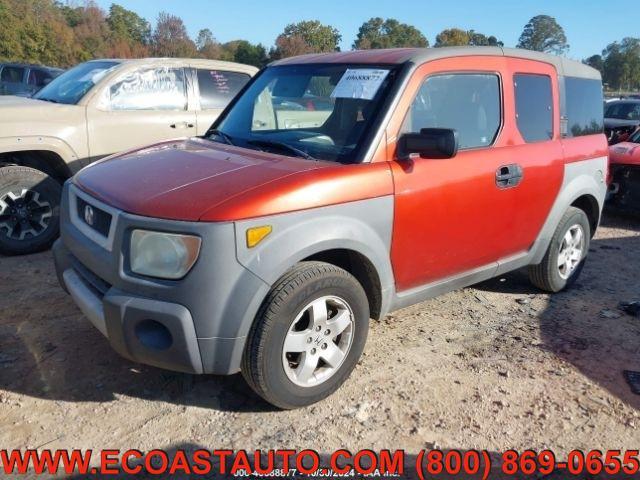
182 125
509 175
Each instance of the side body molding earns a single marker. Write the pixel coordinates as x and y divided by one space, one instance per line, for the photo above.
363 226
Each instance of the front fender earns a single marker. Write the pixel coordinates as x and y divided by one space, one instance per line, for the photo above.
42 143
363 226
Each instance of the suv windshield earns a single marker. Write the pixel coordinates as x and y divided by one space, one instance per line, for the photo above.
311 111
623 111
72 85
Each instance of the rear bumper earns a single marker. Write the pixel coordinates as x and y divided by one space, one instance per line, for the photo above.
197 324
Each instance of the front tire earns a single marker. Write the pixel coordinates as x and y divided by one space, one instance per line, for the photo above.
566 254
29 210
307 336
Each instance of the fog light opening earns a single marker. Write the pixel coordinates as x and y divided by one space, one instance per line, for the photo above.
154 335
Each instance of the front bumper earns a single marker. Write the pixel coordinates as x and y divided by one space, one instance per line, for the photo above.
197 324
624 190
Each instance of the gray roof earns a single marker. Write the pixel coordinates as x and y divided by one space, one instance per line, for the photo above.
418 56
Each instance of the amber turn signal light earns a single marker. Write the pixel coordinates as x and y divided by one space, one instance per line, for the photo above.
256 234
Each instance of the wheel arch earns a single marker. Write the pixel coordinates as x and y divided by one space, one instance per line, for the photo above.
361 268
355 237
46 161
583 187
589 205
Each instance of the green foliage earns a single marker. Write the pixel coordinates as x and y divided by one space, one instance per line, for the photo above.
207 45
309 36
250 54
481 40
453 37
35 31
170 38
319 37
128 25
205 39
621 64
595 61
544 34
379 33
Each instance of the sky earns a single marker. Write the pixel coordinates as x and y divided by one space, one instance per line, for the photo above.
590 25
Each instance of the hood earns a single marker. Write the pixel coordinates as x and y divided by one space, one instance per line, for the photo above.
625 153
182 179
25 116
19 102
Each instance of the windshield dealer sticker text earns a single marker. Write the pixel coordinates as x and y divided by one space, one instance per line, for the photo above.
361 84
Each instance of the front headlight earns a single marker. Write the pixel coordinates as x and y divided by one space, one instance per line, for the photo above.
163 255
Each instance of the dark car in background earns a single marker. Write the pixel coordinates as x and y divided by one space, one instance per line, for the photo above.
621 119
24 79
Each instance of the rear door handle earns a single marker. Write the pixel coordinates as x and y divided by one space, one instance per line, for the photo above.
509 175
181 125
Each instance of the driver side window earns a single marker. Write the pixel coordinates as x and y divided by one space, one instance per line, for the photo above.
466 102
159 88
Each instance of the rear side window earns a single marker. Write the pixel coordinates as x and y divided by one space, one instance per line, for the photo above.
584 102
534 107
468 103
12 74
218 87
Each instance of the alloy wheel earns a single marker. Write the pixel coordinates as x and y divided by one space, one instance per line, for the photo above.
571 251
24 214
318 341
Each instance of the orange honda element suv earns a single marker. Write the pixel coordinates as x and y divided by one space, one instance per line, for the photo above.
336 188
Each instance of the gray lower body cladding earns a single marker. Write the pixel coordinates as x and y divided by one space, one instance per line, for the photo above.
201 321
205 313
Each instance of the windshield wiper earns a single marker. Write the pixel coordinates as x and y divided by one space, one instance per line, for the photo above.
282 146
45 99
226 137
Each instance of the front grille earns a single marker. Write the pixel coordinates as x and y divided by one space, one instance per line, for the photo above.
97 284
93 217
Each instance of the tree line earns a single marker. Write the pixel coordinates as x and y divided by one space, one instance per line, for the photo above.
62 34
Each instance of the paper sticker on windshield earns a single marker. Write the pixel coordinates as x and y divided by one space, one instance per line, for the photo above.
362 83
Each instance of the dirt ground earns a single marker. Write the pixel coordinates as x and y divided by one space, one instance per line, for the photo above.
494 367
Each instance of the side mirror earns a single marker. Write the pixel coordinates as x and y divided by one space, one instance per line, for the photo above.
429 143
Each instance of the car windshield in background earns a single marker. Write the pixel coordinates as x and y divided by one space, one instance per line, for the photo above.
623 111
311 111
71 86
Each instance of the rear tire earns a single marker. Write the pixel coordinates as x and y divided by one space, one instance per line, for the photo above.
566 254
29 210
307 336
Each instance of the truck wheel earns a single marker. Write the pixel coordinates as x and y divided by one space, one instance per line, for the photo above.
29 210
308 335
566 254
